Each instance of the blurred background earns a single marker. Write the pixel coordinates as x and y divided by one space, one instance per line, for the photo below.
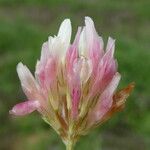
26 24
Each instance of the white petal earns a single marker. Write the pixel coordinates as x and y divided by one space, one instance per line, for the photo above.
56 47
86 37
83 44
101 43
45 52
24 74
110 46
65 31
90 29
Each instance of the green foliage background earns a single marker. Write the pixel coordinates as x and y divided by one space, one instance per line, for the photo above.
26 24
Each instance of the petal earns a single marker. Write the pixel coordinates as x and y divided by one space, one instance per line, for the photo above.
76 93
57 48
109 91
105 72
39 73
45 53
83 50
94 41
28 82
55 45
50 71
90 31
83 67
72 52
94 44
25 76
77 37
59 44
108 73
25 108
110 48
106 68
119 99
64 32
105 100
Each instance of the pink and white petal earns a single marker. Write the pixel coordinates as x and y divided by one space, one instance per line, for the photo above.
94 44
40 73
72 52
105 72
109 72
50 72
83 67
76 93
75 88
28 82
110 48
109 91
87 37
105 100
94 41
74 84
25 108
77 37
45 53
25 76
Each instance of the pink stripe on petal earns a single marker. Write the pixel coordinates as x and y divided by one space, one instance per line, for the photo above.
105 100
50 71
106 97
109 72
72 53
25 108
94 44
110 48
106 68
39 73
75 101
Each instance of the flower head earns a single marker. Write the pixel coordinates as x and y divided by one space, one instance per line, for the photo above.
74 88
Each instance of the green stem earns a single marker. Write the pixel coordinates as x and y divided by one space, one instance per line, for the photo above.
69 145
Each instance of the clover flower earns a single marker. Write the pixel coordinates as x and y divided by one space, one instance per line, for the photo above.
74 84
